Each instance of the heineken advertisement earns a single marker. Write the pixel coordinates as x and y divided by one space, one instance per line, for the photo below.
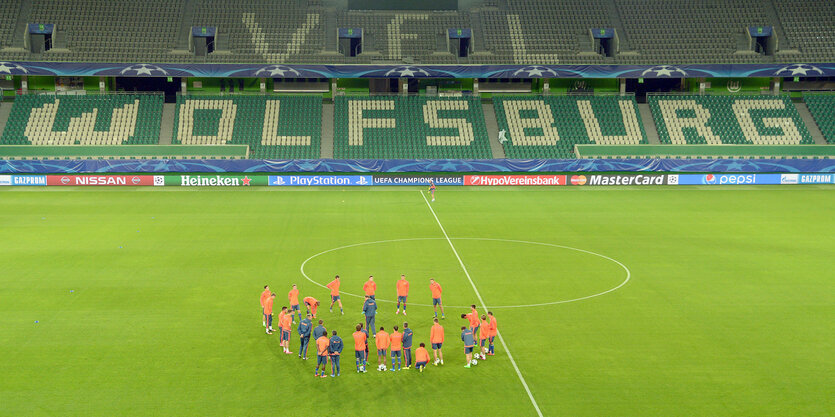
220 180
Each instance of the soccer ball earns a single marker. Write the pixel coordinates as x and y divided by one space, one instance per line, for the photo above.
381 368
474 362
362 369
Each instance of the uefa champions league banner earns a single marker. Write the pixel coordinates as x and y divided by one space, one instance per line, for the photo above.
415 71
360 166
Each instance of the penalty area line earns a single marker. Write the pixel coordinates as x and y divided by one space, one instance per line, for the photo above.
481 300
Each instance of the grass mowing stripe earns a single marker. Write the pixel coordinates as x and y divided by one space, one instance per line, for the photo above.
481 300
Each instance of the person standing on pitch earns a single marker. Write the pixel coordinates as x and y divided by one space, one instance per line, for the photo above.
304 329
432 189
335 350
281 315
407 345
484 335
421 357
334 287
370 311
320 331
477 324
436 290
382 346
360 348
268 313
436 337
285 327
322 345
402 293
312 305
370 287
396 340
494 330
364 330
469 342
293 296
264 296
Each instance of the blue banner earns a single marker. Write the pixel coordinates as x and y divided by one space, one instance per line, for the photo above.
417 71
41 28
416 165
603 33
351 33
460 33
311 180
203 31
418 180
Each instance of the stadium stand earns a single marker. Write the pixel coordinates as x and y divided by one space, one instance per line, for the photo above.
286 127
706 151
822 107
420 36
542 32
410 127
8 18
550 126
761 120
32 152
504 32
111 30
113 119
266 31
686 31
808 27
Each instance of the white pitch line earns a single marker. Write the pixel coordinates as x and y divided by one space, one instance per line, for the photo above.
481 300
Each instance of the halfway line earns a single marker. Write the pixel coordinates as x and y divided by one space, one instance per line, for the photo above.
480 300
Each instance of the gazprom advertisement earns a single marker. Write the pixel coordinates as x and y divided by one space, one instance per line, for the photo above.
23 180
311 180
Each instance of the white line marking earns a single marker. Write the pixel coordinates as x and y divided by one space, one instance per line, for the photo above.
480 300
626 280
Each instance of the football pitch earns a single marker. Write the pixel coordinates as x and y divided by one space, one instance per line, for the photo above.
667 301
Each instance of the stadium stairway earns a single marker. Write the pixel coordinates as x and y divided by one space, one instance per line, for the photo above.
814 130
5 110
19 31
649 123
326 151
492 130
167 124
185 27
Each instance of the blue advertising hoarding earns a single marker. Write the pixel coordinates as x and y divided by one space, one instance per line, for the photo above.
418 180
758 179
312 180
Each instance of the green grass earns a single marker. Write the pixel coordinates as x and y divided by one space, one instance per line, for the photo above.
729 309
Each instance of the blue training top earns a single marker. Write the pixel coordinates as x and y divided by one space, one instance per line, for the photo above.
319 331
370 307
304 328
407 338
336 345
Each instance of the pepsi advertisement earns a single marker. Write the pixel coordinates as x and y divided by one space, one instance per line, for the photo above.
752 179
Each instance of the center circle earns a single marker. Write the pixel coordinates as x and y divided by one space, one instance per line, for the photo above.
524 264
